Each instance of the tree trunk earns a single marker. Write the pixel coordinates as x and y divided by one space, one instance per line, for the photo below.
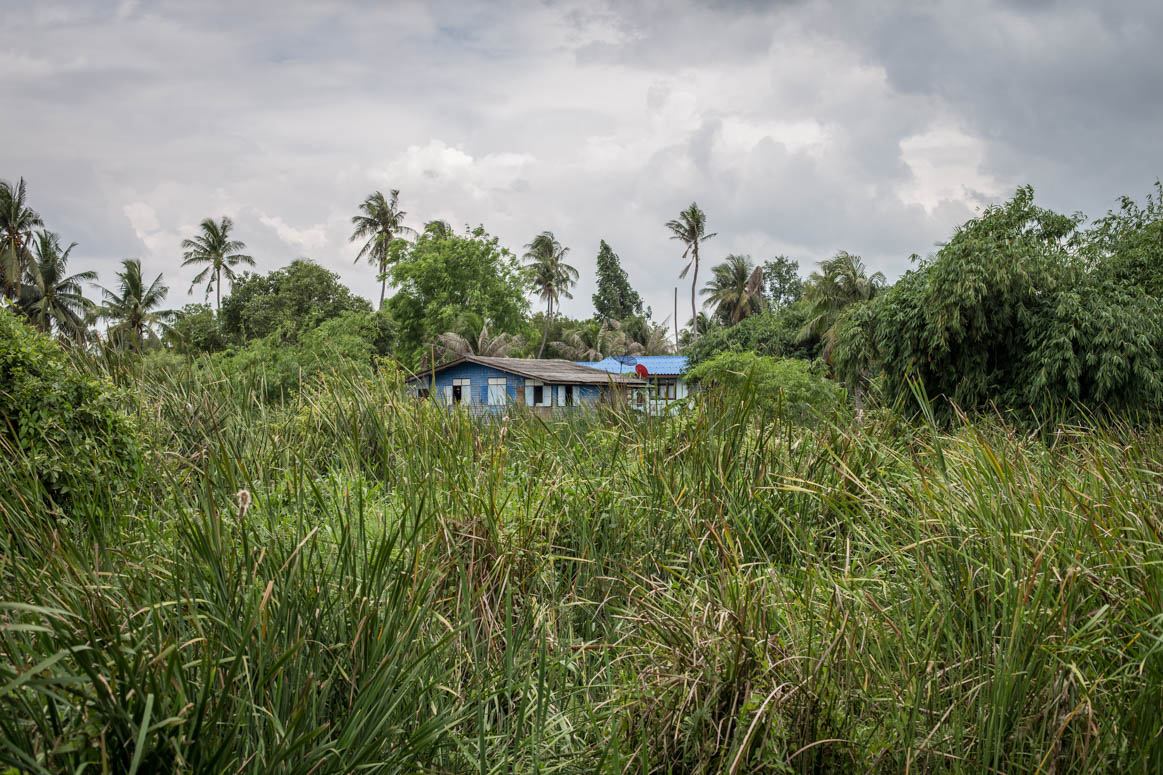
218 289
13 289
383 281
545 332
858 396
695 282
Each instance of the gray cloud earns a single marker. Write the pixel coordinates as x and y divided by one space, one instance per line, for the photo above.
800 127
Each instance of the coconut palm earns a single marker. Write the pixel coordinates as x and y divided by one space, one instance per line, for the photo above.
643 338
379 224
842 280
736 289
17 220
549 276
214 248
703 325
438 229
690 229
53 298
455 345
593 341
133 308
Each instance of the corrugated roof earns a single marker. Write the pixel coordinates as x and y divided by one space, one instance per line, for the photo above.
555 371
656 365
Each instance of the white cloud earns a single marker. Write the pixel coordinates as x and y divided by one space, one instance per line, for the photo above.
947 165
310 238
801 128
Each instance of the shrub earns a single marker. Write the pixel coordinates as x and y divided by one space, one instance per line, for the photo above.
348 341
796 387
62 431
194 330
1008 315
769 333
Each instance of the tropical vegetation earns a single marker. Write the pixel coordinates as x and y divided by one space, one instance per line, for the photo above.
549 276
380 224
214 248
899 527
690 229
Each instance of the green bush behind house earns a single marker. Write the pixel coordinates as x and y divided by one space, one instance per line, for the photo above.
796 387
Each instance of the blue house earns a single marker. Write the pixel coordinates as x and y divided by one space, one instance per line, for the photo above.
664 375
485 385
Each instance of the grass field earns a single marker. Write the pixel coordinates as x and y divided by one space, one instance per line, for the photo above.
353 581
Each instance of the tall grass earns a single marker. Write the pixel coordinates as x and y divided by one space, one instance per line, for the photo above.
356 581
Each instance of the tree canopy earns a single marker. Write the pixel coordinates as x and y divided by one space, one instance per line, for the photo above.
782 284
297 296
735 289
214 248
615 299
1010 313
17 221
133 307
54 299
442 277
773 332
690 228
548 275
380 224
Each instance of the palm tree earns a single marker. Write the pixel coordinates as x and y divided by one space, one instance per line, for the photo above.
380 223
134 307
438 229
17 220
499 346
643 338
703 324
587 343
593 341
214 248
690 228
736 289
52 297
842 280
549 275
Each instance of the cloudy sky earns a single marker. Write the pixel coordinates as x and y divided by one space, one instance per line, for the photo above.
800 128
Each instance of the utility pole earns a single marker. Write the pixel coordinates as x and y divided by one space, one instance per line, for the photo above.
676 319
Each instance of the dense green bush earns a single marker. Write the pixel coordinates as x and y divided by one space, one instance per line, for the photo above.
195 329
773 333
279 368
63 433
1012 314
796 387
293 298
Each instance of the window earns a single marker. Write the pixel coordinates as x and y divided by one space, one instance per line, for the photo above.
666 389
459 388
498 391
569 395
422 393
538 393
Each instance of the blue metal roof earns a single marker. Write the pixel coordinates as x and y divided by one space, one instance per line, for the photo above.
656 365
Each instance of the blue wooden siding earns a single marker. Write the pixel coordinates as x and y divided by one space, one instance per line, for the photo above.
476 395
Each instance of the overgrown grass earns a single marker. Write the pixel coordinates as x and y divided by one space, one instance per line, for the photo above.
355 581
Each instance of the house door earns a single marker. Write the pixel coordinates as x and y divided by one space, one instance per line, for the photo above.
569 395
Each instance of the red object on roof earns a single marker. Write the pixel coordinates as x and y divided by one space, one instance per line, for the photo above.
641 370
